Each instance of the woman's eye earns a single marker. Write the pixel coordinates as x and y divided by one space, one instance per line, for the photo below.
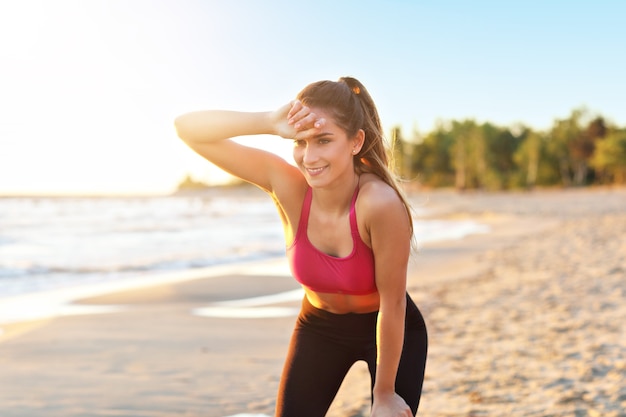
323 141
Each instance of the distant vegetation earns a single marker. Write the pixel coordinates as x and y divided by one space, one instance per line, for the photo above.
189 184
583 149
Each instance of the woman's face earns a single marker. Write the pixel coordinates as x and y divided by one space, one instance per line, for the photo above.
325 156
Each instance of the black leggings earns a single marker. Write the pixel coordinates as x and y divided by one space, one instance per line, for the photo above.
324 346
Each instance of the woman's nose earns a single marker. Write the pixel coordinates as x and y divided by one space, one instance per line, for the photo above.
310 155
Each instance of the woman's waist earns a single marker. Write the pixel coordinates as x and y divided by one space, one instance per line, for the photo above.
339 303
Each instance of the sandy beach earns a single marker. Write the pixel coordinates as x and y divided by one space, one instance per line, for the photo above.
527 320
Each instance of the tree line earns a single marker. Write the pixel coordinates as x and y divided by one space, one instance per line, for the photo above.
582 149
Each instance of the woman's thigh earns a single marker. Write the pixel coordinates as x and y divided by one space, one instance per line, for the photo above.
313 373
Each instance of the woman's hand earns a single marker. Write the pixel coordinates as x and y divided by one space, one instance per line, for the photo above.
391 405
295 119
279 120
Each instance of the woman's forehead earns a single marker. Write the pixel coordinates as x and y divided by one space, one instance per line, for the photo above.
322 112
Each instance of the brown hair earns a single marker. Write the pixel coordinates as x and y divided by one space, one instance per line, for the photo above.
352 109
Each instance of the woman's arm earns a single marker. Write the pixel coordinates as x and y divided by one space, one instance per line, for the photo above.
207 133
391 241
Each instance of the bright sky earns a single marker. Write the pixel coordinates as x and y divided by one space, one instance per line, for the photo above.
89 89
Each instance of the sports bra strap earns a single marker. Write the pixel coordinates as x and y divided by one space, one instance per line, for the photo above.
306 209
353 224
304 213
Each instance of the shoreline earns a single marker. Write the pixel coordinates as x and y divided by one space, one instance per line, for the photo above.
508 333
39 307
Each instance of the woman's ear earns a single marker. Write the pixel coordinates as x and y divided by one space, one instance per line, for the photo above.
357 141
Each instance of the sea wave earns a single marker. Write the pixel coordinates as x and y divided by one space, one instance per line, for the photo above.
51 242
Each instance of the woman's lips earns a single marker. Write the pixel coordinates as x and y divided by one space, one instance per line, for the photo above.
315 171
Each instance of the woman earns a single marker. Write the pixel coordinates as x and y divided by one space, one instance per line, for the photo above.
348 232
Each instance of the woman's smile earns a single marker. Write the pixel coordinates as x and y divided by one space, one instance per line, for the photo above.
315 171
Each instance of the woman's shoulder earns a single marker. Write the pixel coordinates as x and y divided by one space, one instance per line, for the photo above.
376 196
379 207
372 186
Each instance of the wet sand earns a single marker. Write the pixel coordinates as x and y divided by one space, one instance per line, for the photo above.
527 320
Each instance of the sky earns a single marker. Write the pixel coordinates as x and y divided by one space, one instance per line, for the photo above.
89 89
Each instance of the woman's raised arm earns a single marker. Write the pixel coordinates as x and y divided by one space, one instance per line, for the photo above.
208 133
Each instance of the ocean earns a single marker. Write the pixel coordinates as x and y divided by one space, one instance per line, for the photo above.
52 244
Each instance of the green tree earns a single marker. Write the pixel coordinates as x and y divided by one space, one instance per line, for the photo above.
610 157
483 155
527 157
573 145
535 164
431 160
465 155
501 145
562 133
596 130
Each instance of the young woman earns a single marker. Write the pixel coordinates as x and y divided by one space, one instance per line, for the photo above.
348 232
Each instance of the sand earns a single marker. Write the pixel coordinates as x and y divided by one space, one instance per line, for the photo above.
527 320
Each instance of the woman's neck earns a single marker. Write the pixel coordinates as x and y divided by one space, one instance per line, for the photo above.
336 199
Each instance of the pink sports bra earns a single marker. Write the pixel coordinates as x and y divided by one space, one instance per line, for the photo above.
324 273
